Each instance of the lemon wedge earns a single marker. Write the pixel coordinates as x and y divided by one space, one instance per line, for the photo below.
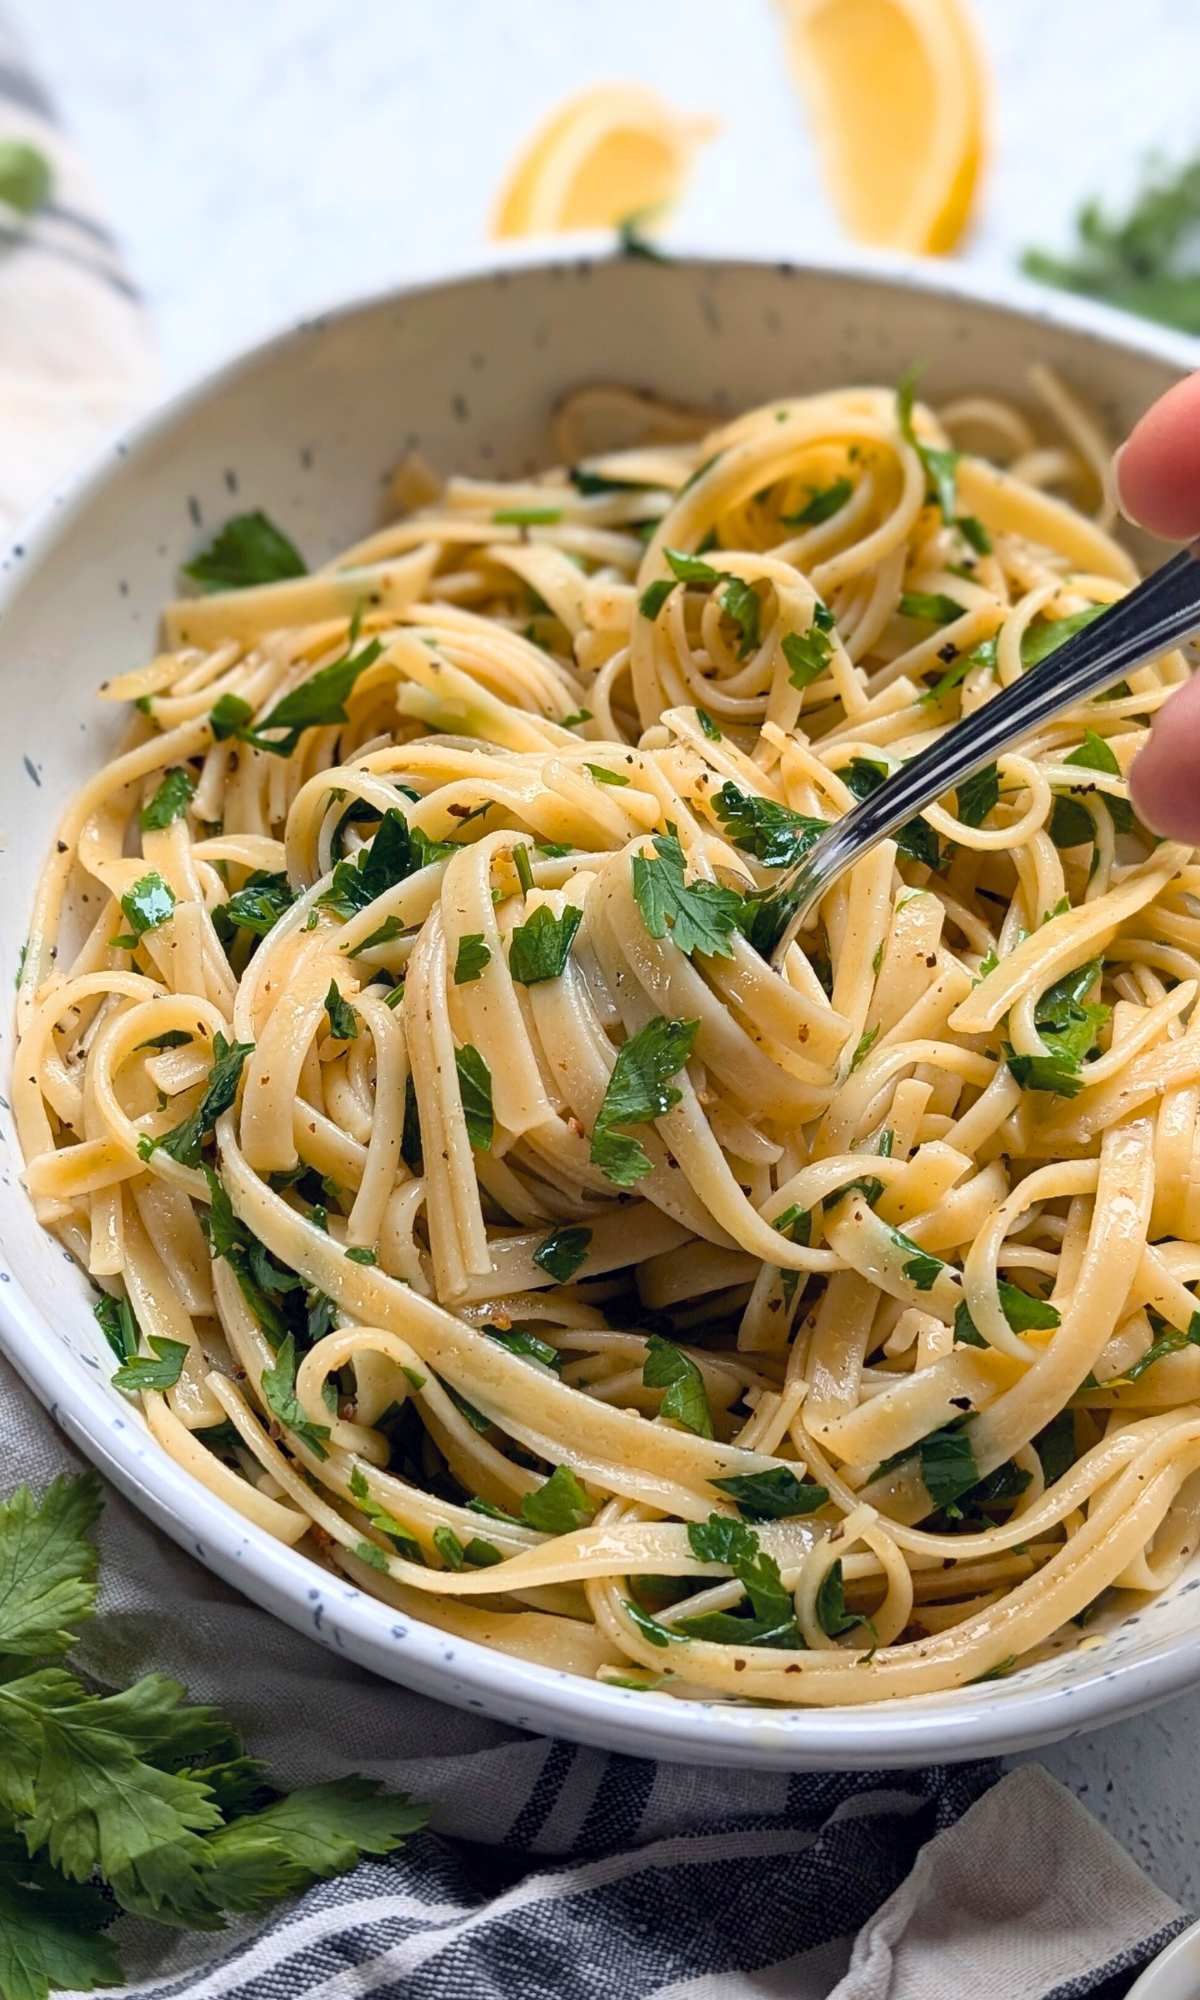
611 152
896 91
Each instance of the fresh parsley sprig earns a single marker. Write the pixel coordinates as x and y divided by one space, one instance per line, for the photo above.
135 1799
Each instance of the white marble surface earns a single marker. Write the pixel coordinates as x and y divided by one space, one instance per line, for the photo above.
262 157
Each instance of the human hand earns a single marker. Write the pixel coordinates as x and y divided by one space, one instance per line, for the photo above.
1158 484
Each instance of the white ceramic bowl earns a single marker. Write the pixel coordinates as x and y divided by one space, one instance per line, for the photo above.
308 427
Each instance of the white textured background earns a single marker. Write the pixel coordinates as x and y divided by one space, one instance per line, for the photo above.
262 157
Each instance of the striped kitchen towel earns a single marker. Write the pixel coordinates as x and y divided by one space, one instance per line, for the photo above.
550 1872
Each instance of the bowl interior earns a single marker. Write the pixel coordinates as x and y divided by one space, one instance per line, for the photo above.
309 428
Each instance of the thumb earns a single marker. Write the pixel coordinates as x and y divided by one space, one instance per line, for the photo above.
1158 468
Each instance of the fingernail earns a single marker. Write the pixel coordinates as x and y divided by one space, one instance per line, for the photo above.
1122 503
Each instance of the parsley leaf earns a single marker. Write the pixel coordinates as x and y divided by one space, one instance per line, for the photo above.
1096 754
559 1506
972 530
248 549
655 595
473 958
183 1141
941 466
1021 1309
379 1517
563 1251
540 947
685 1402
638 1091
317 703
1172 1341
475 1089
832 1615
170 801
257 906
931 606
47 1568
518 1341
824 502
708 725
1046 635
983 655
396 851
1055 1446
118 1325
807 655
739 601
1069 1027
141 1372
978 794
279 1393
149 903
773 1496
772 1623
343 1022
772 833
698 916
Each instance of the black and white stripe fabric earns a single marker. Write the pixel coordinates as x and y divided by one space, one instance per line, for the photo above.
550 1872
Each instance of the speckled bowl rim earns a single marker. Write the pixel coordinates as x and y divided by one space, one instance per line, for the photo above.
980 1721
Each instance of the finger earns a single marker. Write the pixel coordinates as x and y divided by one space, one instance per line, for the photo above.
1158 468
1164 779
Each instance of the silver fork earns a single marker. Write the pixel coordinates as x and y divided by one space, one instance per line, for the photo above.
1158 614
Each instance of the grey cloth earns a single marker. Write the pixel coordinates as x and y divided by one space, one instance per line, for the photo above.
550 1872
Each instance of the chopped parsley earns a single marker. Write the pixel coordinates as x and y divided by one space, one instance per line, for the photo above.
823 503
170 801
396 851
775 1495
698 916
148 904
558 1507
248 549
1046 635
473 958
539 948
563 1251
655 595
601 774
183 1141
1068 1026
343 1023
708 725
279 1393
141 1372
257 906
941 465
1020 1308
518 1341
118 1325
317 703
475 1089
639 1090
931 606
772 1619
977 795
684 1402
774 834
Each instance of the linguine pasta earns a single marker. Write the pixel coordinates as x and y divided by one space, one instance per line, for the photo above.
484 1199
